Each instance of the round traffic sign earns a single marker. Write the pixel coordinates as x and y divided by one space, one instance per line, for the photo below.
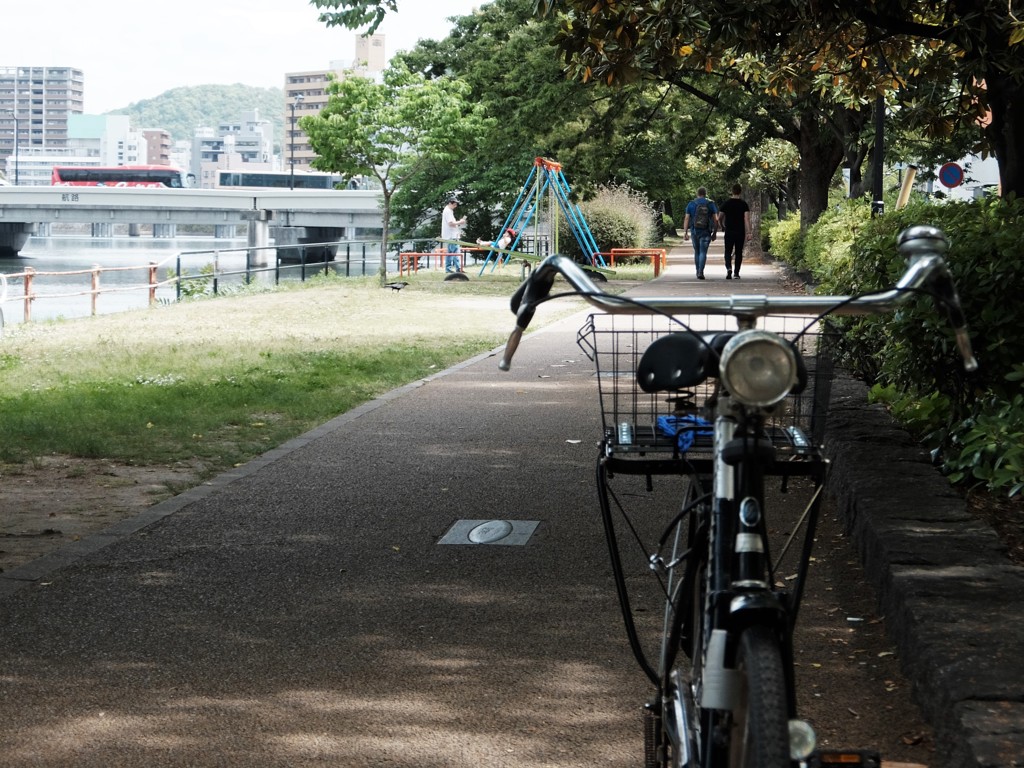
951 175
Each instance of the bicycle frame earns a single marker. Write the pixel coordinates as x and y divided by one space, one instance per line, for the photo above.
723 607
738 595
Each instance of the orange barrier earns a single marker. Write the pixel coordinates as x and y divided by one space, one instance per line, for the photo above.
658 256
29 295
410 262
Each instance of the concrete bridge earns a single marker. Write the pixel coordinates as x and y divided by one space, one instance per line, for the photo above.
288 216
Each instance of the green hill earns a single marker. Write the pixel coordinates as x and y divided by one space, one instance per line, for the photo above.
181 110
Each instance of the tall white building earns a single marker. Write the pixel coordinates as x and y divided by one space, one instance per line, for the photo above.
305 93
91 140
35 105
370 56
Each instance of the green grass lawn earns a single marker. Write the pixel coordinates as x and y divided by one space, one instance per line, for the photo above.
221 380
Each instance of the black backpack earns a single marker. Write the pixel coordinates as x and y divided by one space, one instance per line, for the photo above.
702 216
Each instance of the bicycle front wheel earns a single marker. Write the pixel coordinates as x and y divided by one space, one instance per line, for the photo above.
759 736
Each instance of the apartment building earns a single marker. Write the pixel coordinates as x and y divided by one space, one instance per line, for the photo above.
35 105
305 93
247 142
92 140
158 146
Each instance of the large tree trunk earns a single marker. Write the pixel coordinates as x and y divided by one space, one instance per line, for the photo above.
859 185
756 199
1006 100
821 153
386 222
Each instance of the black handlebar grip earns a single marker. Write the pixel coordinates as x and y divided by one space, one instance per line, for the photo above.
510 349
946 295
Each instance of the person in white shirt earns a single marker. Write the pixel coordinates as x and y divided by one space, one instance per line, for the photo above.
451 229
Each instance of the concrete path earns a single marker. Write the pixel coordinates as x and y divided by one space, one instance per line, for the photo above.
301 610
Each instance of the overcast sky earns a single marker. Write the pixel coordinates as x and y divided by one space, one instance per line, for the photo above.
130 50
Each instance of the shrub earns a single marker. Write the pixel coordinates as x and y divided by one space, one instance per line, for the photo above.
192 286
826 248
911 353
618 217
785 240
989 447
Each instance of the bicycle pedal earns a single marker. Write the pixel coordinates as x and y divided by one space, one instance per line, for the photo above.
847 758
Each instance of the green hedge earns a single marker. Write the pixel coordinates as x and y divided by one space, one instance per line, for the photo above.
976 420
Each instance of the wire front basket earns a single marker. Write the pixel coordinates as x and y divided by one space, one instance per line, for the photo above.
615 343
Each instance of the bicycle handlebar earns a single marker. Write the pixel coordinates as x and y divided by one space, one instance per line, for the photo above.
922 245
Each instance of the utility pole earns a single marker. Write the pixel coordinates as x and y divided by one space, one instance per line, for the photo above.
877 185
291 140
17 147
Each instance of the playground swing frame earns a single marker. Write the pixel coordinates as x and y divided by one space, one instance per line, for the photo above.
546 181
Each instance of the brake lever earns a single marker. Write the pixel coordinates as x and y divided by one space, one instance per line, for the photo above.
945 292
511 346
923 240
531 292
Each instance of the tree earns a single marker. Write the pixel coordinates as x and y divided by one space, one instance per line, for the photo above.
637 135
625 134
392 131
949 63
181 110
850 53
505 61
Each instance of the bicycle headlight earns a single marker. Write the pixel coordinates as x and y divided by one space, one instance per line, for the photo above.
759 368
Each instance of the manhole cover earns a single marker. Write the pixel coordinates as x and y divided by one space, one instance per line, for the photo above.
507 533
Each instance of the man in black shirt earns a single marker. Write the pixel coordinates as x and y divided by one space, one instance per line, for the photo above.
735 219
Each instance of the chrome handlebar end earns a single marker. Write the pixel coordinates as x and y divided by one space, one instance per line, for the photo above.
922 240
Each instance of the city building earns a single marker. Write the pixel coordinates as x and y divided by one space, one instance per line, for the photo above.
35 106
91 140
305 93
370 56
158 146
181 154
249 142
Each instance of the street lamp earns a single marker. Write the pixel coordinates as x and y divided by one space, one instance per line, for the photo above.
291 178
16 147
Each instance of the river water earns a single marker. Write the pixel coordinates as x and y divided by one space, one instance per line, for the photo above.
127 287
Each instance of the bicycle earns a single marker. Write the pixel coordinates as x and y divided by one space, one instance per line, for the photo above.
720 395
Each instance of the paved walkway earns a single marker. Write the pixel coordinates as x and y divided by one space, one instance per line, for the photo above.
300 608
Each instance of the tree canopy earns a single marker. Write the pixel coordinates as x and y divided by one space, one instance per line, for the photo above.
393 131
638 135
689 81
848 54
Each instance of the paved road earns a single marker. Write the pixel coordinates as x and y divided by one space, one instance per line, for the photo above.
301 611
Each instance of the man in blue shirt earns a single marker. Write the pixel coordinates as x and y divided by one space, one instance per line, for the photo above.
699 227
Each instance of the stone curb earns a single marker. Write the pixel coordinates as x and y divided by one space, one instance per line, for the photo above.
952 601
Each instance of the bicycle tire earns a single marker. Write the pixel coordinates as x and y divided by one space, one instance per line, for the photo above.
690 603
759 737
682 644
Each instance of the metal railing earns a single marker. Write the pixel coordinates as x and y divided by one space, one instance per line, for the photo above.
190 273
348 258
